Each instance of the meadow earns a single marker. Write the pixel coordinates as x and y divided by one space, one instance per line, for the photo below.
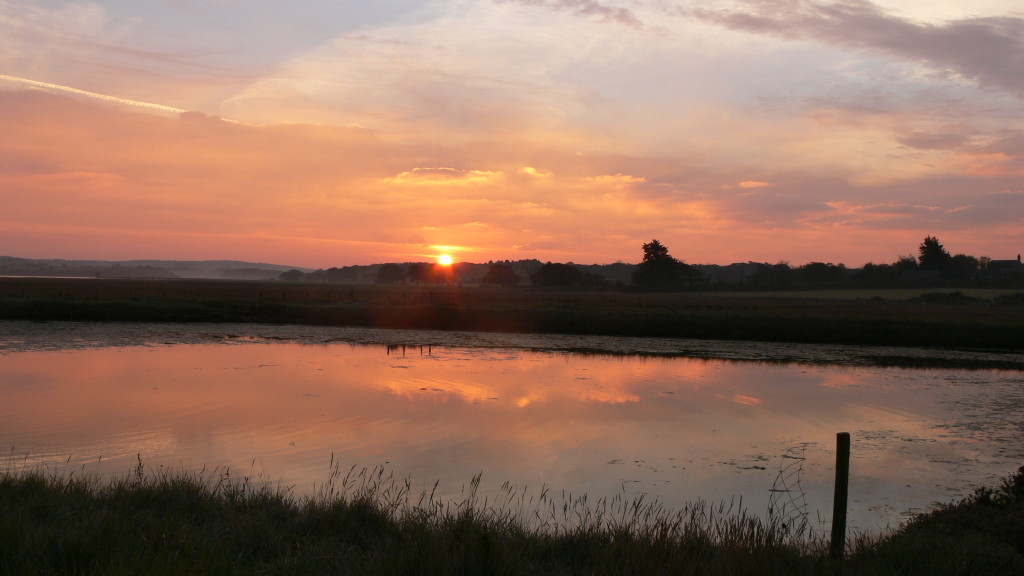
963 319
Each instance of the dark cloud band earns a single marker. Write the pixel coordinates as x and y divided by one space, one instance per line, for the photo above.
989 51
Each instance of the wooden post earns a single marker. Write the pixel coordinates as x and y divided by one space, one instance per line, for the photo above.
839 502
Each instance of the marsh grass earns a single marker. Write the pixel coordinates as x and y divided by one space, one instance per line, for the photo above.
971 318
365 521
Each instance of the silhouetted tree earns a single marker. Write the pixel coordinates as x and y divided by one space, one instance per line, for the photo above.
932 256
291 276
557 275
422 272
346 274
315 276
778 275
390 274
592 280
500 275
655 251
905 264
877 274
962 266
820 273
418 272
660 271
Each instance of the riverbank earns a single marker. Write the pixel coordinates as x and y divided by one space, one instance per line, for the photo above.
362 522
36 336
953 320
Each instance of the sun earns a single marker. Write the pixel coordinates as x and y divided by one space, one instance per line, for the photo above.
444 260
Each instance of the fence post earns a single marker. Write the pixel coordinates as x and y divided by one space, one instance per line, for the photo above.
839 502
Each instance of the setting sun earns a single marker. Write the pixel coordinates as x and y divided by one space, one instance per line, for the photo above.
400 134
444 260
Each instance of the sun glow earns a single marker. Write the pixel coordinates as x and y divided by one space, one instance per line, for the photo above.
444 260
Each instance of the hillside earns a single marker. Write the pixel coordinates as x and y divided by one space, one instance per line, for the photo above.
205 269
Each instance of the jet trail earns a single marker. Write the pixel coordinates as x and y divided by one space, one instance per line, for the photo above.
94 95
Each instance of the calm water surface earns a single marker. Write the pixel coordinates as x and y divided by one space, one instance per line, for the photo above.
280 403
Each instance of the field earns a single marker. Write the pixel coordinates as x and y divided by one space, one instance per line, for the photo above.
897 294
967 319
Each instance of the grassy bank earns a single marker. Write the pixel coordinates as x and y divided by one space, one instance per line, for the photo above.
979 319
364 523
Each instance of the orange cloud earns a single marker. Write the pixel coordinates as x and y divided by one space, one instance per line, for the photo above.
444 177
86 179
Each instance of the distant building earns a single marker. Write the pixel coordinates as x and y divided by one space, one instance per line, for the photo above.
1005 269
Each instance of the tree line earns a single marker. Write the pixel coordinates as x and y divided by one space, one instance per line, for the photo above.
658 270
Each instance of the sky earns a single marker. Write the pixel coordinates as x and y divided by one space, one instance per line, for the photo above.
323 133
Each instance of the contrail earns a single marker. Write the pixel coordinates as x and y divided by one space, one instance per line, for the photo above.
103 97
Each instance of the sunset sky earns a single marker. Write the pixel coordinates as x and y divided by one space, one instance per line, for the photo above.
324 133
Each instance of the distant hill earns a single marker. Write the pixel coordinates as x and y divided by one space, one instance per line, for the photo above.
208 269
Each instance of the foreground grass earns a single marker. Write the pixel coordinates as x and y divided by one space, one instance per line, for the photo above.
364 523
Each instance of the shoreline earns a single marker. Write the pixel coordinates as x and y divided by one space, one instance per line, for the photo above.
951 321
34 335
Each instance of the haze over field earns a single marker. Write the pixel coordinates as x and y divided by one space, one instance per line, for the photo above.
333 133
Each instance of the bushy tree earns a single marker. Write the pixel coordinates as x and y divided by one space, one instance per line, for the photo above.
655 251
877 274
390 274
822 273
418 272
557 276
500 275
777 275
962 266
905 263
346 274
660 271
932 255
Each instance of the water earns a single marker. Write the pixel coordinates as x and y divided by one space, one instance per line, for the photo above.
282 402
